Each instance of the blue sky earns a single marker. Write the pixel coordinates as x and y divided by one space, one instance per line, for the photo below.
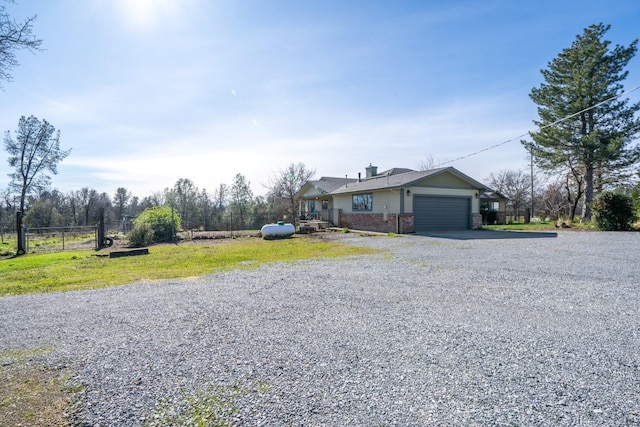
149 91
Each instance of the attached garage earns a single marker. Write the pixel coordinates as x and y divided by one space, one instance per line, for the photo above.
434 213
399 200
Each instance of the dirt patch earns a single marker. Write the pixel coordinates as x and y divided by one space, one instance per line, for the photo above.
214 235
33 394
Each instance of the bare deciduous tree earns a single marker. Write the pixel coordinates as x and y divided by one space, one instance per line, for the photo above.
430 163
14 36
515 185
553 200
35 151
285 183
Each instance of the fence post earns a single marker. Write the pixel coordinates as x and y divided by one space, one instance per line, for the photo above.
100 243
22 249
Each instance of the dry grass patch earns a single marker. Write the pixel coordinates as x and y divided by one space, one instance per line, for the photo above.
33 394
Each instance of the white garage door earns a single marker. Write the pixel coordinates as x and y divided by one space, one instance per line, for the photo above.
441 213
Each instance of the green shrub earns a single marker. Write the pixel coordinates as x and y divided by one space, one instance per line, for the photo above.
492 217
141 235
154 225
613 211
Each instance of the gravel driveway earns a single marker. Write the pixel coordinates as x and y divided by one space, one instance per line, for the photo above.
467 329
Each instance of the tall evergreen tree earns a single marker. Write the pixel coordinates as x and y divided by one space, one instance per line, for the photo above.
585 126
183 197
120 200
221 197
240 196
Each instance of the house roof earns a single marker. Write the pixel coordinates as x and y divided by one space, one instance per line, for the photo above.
493 195
395 171
325 184
398 177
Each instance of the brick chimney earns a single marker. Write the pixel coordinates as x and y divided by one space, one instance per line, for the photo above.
371 171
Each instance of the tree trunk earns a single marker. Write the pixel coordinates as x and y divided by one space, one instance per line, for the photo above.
588 192
23 195
74 213
572 203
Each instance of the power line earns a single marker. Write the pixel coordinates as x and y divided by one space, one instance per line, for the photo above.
541 128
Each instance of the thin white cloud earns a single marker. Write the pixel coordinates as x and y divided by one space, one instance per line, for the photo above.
156 90
215 152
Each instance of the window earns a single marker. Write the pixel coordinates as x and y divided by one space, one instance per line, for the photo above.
325 205
362 202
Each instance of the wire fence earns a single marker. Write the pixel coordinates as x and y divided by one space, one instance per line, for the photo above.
80 238
56 239
6 234
232 225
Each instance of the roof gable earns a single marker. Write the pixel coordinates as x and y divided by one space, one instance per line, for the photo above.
442 177
324 185
444 180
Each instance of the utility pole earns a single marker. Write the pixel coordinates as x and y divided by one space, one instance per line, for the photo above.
173 224
531 216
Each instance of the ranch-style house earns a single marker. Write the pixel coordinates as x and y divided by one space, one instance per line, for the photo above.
398 200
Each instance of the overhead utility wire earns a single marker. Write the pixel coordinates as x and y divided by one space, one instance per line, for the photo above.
541 128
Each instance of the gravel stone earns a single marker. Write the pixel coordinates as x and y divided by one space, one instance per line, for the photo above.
471 328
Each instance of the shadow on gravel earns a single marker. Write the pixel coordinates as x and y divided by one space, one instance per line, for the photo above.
490 234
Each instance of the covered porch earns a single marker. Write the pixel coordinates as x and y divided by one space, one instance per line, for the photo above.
316 209
493 208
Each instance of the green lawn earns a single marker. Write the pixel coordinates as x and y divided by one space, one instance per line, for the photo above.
8 246
65 271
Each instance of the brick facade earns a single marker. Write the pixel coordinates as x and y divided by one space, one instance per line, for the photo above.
476 221
376 222
406 223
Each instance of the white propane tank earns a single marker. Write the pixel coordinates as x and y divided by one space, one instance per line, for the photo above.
277 231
